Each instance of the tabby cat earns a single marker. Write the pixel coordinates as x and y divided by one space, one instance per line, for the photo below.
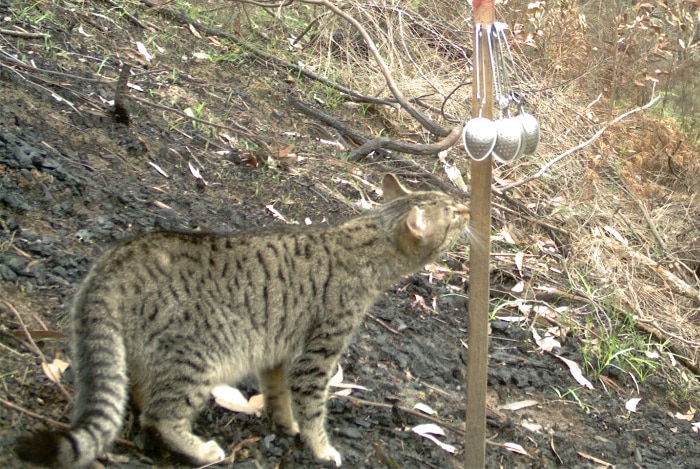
169 315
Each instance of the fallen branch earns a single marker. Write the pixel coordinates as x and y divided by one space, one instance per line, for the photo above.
386 143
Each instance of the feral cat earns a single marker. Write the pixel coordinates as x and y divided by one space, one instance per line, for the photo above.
167 316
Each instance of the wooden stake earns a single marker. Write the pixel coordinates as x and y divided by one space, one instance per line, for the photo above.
480 233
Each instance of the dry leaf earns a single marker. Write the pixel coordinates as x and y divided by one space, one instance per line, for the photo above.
55 369
428 430
533 427
162 205
195 172
424 408
576 372
282 152
82 31
143 51
519 405
276 213
631 404
159 169
687 416
616 234
594 459
232 399
547 344
519 257
337 382
515 448
194 32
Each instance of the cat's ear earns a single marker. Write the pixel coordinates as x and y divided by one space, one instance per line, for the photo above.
392 188
415 223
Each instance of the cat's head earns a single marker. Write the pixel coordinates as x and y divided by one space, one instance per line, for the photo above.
427 222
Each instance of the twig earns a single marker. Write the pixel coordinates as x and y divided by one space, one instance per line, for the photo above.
51 421
383 324
261 54
129 16
356 400
24 34
32 414
428 124
236 128
35 348
580 146
453 428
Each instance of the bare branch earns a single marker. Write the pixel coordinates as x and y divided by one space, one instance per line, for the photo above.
424 120
580 146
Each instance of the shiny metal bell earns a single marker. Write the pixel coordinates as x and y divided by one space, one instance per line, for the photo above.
479 137
531 137
509 139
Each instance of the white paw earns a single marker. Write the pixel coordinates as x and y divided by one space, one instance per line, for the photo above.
211 452
329 453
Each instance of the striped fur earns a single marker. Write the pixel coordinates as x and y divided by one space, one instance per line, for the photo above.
166 316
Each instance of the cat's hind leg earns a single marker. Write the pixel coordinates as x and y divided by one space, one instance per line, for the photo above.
167 414
278 401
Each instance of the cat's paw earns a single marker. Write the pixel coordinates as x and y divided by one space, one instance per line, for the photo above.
211 452
289 429
329 453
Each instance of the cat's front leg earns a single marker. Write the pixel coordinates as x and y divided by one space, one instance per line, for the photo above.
309 378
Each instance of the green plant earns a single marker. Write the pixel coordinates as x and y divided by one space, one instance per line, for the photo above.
574 398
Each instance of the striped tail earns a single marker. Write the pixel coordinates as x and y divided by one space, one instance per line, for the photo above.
101 386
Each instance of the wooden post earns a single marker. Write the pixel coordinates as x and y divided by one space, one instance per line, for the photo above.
480 247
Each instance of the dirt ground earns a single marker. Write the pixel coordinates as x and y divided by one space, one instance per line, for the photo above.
72 182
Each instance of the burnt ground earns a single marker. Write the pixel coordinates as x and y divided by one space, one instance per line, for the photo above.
72 181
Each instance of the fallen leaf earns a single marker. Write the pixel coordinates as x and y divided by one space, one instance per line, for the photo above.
194 31
143 51
428 431
195 172
515 448
533 427
82 31
547 344
519 405
616 234
519 257
424 408
576 372
158 168
594 459
55 369
337 382
690 415
234 400
276 213
631 404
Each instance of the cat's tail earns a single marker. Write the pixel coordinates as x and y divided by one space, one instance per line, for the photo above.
102 391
